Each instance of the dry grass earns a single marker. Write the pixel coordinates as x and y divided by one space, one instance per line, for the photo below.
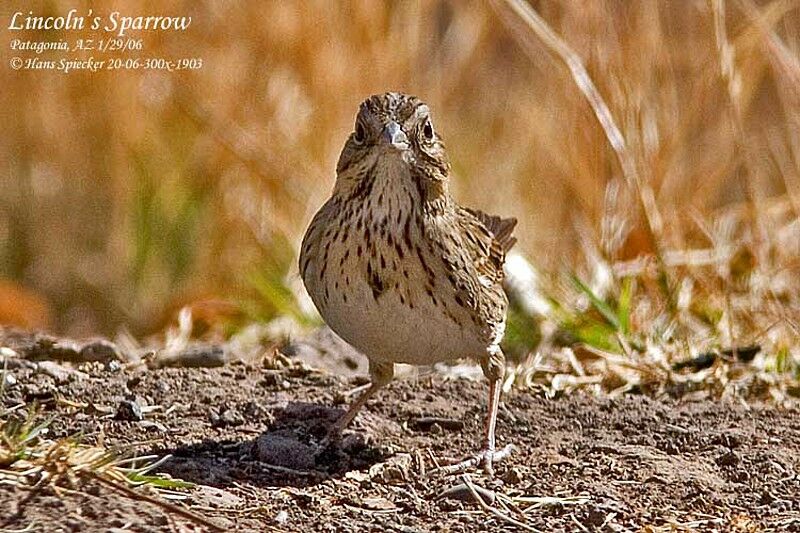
708 294
28 458
671 234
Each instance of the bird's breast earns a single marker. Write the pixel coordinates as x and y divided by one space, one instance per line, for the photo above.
381 287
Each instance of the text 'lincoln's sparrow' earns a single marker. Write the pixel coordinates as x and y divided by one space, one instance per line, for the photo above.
397 268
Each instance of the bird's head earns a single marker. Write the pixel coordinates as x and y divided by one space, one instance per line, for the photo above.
394 129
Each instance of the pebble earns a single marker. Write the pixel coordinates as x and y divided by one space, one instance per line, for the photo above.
282 517
100 350
163 386
512 476
228 417
730 458
129 410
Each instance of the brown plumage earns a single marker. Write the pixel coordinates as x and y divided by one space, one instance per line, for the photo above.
396 267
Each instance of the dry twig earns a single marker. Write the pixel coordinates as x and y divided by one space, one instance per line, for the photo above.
492 510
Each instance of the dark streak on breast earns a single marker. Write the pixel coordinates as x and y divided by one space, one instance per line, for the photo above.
407 232
375 282
428 270
364 187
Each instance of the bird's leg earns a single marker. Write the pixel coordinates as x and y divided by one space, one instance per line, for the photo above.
488 451
352 410
380 374
494 368
358 390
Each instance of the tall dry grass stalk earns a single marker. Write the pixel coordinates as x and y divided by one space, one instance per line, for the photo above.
615 131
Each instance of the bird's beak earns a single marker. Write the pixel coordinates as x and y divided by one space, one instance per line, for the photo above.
392 135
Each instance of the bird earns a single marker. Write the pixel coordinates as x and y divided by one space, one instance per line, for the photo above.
401 271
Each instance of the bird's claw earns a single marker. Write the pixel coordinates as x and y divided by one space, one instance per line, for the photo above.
487 457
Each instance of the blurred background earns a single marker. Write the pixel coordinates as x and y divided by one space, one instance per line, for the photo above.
127 195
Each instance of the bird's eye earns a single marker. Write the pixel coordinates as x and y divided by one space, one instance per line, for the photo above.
360 134
427 130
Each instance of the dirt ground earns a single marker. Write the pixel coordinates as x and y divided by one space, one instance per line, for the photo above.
249 436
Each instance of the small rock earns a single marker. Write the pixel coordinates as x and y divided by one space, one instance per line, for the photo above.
395 470
163 386
728 459
195 356
97 409
594 516
61 374
215 497
37 391
671 448
354 443
356 475
129 410
378 504
274 379
282 517
254 411
155 426
427 423
448 506
5 351
48 349
228 417
231 417
512 476
100 350
766 498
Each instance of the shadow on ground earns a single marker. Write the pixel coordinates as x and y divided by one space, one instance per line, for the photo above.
293 452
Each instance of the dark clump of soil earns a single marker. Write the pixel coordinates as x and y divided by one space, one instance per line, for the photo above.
253 439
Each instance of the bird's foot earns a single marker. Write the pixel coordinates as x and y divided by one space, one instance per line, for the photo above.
337 437
334 436
487 457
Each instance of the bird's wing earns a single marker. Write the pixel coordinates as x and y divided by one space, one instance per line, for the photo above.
488 239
